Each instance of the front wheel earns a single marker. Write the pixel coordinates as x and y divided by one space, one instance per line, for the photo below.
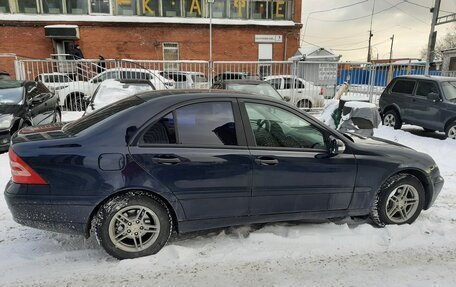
399 201
133 225
392 119
450 131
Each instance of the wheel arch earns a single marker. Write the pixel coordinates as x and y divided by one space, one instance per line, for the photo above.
393 107
124 191
421 176
449 122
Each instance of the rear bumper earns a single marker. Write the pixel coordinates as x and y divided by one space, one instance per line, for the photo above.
48 212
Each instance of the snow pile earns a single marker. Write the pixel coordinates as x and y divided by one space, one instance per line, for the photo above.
346 253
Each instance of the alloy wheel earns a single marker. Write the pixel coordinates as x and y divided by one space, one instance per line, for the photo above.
389 120
402 203
452 132
134 228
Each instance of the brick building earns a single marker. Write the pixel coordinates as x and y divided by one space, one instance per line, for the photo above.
243 30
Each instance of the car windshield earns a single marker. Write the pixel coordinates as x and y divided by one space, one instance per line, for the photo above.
11 93
449 89
260 89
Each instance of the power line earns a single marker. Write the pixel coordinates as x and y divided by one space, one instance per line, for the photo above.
361 48
338 8
423 6
357 18
413 16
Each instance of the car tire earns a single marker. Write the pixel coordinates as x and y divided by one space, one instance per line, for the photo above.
306 105
133 225
450 131
399 201
392 119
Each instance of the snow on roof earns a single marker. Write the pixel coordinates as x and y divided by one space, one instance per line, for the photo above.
61 26
314 52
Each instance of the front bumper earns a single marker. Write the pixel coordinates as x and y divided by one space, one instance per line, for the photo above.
45 211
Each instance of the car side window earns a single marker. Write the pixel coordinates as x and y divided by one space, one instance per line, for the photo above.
209 123
276 127
287 84
275 83
161 132
403 87
425 88
299 84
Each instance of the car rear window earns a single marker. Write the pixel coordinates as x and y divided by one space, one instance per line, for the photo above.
403 87
85 122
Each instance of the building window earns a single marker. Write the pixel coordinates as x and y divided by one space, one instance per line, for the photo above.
260 9
52 6
171 53
77 7
27 6
280 9
100 6
193 8
150 8
4 6
171 8
238 9
219 8
125 7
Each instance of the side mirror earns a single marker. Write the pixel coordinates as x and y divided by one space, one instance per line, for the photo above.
335 146
434 97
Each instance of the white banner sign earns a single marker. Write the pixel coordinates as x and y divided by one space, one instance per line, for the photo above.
268 38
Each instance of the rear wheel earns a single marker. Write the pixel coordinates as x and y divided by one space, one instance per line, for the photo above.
450 131
392 119
133 225
399 201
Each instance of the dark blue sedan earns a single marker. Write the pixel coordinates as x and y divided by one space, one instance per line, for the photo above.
181 161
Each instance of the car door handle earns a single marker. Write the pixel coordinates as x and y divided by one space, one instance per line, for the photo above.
266 161
166 160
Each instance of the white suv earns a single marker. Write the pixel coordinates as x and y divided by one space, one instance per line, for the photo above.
73 96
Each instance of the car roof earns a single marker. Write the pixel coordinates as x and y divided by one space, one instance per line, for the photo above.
132 70
189 94
243 81
425 77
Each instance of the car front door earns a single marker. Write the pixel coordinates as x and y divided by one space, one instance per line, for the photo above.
289 173
199 153
424 111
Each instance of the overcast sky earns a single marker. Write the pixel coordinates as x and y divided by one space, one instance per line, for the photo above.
409 23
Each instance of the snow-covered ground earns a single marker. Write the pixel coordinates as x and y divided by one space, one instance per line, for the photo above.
283 254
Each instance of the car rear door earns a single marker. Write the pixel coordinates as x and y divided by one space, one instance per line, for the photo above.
423 111
402 96
288 176
198 152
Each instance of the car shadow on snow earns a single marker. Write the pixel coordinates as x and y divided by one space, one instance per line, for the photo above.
418 131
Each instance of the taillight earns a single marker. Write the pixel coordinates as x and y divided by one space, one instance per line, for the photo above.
21 172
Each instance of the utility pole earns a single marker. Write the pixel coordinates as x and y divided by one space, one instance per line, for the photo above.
432 36
369 52
391 49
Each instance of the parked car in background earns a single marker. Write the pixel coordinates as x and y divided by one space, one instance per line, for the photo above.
4 75
187 160
54 81
255 87
306 95
22 104
76 93
111 91
235 76
187 80
425 101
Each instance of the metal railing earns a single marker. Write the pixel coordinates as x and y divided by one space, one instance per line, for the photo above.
307 85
